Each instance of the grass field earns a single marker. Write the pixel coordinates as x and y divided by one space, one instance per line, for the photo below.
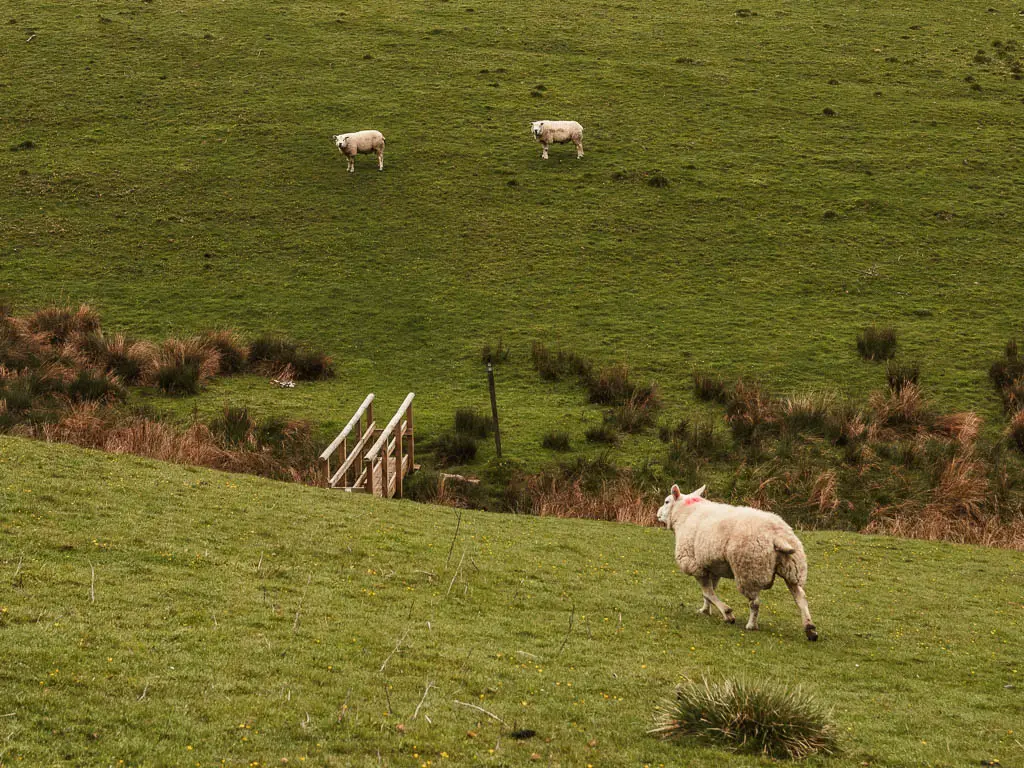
161 615
180 176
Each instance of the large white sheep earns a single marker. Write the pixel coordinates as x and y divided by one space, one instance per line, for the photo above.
558 132
742 543
360 143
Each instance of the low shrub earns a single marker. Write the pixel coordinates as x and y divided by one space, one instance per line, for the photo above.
877 343
749 411
452 448
469 421
556 441
762 718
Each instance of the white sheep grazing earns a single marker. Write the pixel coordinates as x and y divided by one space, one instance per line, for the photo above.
752 546
558 132
360 143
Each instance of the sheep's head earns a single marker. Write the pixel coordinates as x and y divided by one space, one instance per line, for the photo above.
677 498
341 140
536 127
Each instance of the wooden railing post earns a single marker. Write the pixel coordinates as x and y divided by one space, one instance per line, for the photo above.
412 437
399 468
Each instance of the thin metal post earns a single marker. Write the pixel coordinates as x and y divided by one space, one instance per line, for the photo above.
494 409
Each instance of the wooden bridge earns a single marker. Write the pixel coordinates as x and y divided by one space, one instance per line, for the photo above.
378 459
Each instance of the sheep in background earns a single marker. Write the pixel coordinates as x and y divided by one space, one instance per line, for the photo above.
742 543
558 132
360 143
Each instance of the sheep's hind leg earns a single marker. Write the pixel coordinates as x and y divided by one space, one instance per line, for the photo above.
351 165
805 612
706 607
380 160
753 595
579 149
707 587
544 154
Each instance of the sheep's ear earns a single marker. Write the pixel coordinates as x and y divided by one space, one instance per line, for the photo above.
699 491
676 493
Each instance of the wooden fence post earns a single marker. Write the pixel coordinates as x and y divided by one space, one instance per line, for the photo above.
494 408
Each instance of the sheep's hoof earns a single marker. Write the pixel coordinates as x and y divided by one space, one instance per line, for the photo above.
729 618
812 633
750 628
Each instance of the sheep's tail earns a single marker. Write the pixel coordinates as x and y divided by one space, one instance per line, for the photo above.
784 545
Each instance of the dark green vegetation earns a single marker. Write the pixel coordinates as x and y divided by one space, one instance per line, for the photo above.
171 615
771 719
171 164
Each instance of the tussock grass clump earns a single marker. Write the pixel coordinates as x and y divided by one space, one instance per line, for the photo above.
452 448
698 439
637 413
763 718
602 433
234 353
185 365
905 408
877 342
749 411
1007 376
93 385
1015 432
469 421
58 324
899 374
555 365
272 354
557 441
234 425
709 387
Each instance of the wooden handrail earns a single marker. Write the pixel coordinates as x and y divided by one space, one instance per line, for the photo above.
382 440
329 451
353 455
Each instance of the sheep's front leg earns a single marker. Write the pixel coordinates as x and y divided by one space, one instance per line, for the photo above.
351 164
380 159
544 154
579 149
707 587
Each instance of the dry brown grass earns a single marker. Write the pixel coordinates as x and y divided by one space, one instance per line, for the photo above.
192 350
905 408
963 427
1015 430
910 521
825 493
617 500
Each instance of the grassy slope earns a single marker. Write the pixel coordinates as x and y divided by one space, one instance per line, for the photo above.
245 621
183 178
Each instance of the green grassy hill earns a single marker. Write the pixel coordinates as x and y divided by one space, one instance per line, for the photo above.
159 615
173 167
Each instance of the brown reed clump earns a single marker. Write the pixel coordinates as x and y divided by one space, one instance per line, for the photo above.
616 499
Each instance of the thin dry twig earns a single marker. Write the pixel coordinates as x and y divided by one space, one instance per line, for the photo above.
455 575
454 537
480 709
395 649
572 615
430 685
